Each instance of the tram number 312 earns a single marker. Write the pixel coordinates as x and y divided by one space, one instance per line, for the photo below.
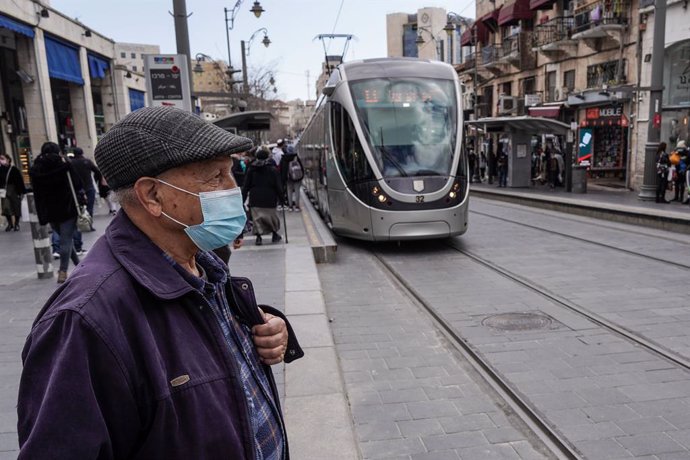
420 198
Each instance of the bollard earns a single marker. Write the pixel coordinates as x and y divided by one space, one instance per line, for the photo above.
41 238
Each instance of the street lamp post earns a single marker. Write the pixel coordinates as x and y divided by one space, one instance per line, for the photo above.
246 47
420 39
230 21
648 188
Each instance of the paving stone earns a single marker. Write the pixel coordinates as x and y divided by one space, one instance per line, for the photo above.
650 444
378 431
454 441
645 425
494 451
419 428
392 448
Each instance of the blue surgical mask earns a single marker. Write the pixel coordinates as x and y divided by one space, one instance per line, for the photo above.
224 218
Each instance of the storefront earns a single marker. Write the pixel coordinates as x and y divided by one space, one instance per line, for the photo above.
603 142
14 130
64 69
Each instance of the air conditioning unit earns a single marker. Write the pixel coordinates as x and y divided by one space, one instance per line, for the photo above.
468 101
506 104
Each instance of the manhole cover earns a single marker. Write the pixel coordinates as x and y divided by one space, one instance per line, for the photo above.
518 321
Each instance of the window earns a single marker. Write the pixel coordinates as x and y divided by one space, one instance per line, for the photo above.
352 161
134 55
569 80
529 86
605 73
410 124
550 86
409 40
123 55
134 68
506 88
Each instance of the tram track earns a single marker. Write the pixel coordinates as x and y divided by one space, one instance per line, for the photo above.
551 438
584 240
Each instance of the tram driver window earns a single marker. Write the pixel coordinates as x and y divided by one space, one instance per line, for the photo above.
410 124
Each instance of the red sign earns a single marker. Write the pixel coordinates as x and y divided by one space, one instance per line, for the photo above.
592 113
657 120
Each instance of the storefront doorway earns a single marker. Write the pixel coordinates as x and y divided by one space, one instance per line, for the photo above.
603 144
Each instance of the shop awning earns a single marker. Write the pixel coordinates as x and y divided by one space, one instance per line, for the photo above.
515 12
63 61
541 4
546 111
491 19
136 99
97 66
533 125
467 37
16 26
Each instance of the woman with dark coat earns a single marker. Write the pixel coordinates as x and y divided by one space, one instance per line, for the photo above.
53 180
662 165
262 185
11 180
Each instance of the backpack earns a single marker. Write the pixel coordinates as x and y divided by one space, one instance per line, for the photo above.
295 172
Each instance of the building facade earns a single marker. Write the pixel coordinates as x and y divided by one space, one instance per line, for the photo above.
129 73
58 82
425 35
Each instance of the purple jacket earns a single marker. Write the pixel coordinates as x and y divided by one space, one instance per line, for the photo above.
126 362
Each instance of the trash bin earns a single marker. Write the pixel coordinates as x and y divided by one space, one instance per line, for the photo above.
579 174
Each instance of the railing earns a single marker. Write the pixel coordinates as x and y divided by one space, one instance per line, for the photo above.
510 45
597 14
605 74
490 54
553 31
468 62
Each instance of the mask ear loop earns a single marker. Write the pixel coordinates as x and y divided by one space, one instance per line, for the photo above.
181 190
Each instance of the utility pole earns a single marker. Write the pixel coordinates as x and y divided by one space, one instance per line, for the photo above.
648 188
182 37
245 79
308 85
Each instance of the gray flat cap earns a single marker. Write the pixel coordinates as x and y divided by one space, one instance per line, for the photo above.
154 139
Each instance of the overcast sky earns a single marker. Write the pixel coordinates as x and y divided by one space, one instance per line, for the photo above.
292 26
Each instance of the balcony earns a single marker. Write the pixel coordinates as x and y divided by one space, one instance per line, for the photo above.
601 20
491 58
467 65
554 36
606 74
516 50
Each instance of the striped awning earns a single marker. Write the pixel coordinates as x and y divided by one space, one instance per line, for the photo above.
491 19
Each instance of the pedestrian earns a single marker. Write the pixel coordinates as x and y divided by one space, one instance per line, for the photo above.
55 185
11 190
87 172
502 163
107 195
679 171
482 166
472 157
292 173
278 151
151 349
662 169
493 164
264 192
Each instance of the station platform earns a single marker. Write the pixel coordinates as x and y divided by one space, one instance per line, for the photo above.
601 202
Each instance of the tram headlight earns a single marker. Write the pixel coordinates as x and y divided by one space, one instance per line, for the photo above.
383 198
375 191
456 187
452 195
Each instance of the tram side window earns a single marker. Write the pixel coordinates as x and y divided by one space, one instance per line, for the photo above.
352 160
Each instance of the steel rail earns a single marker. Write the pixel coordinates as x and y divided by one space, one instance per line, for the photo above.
551 438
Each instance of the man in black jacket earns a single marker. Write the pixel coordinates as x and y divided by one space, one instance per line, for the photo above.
55 187
85 168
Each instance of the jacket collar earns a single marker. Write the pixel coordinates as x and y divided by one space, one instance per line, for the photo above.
148 264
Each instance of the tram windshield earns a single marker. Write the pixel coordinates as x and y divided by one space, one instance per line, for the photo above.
410 124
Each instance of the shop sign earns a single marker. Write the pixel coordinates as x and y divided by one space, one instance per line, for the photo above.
595 113
532 100
167 80
585 144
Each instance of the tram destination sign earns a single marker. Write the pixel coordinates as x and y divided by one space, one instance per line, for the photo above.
167 80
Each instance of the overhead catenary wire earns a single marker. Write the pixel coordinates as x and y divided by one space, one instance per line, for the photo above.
335 23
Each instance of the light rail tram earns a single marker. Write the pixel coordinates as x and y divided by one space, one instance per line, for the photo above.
383 152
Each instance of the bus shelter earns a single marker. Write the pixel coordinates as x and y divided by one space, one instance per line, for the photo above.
515 135
253 124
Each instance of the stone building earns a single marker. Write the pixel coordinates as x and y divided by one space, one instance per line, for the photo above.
58 81
129 70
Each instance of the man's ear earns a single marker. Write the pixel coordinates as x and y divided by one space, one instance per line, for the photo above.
148 195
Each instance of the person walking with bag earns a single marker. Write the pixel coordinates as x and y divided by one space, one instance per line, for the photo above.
292 173
55 185
87 172
680 162
11 190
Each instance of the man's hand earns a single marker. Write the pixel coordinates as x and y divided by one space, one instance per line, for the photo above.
270 339
237 243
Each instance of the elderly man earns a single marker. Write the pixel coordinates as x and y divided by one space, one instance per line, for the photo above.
150 349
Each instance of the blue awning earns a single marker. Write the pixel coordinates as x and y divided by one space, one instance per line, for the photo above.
97 66
15 26
136 99
63 61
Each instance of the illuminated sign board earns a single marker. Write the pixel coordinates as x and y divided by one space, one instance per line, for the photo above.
167 80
